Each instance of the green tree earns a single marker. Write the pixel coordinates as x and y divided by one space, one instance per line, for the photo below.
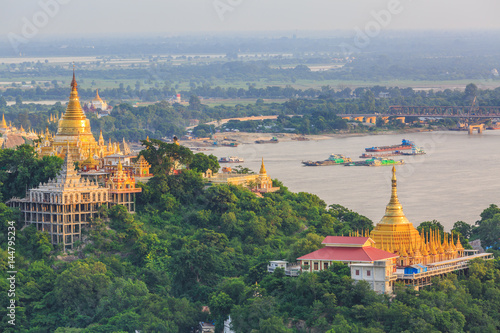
20 169
220 305
272 325
164 156
201 163
462 228
79 288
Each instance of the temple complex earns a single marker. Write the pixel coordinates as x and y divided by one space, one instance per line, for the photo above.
74 134
393 251
258 183
394 233
12 136
98 106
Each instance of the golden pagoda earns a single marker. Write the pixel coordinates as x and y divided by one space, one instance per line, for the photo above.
3 124
413 247
74 134
122 189
394 225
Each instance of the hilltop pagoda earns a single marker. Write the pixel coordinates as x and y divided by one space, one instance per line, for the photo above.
396 234
74 135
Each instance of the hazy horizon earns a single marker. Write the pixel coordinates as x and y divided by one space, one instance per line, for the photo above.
165 19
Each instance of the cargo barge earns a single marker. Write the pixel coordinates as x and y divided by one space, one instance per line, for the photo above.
413 152
231 159
405 144
376 161
273 140
334 159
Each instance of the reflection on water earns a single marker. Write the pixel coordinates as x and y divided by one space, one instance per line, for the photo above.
456 180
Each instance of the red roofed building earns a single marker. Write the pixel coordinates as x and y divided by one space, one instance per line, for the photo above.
368 263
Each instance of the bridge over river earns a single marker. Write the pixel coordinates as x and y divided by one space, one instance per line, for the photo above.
473 116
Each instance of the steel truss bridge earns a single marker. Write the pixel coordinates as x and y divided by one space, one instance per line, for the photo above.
435 112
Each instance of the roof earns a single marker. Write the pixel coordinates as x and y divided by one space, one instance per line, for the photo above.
366 253
342 240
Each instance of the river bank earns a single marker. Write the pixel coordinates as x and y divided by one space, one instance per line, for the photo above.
250 138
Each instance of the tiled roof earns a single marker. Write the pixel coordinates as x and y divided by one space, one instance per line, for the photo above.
366 253
345 240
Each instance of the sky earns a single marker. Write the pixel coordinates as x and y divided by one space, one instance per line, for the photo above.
177 17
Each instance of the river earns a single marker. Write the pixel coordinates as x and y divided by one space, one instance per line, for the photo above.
455 181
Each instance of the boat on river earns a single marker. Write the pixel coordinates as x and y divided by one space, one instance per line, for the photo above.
405 144
333 159
376 161
273 140
415 151
231 159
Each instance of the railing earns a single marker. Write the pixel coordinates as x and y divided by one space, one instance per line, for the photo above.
289 271
445 267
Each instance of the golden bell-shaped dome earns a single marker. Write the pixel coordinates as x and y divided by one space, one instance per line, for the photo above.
74 121
395 226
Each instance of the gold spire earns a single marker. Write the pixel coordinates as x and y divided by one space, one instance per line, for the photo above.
4 123
459 244
452 246
101 139
402 251
262 168
394 211
74 121
120 167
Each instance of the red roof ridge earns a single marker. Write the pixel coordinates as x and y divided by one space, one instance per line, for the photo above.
346 240
366 253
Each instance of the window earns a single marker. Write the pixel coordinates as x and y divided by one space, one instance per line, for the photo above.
315 266
357 272
368 273
326 265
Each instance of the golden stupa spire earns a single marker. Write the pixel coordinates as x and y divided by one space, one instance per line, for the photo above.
394 211
452 246
101 139
410 247
432 242
423 247
262 168
440 248
4 123
459 245
402 251
73 121
446 245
